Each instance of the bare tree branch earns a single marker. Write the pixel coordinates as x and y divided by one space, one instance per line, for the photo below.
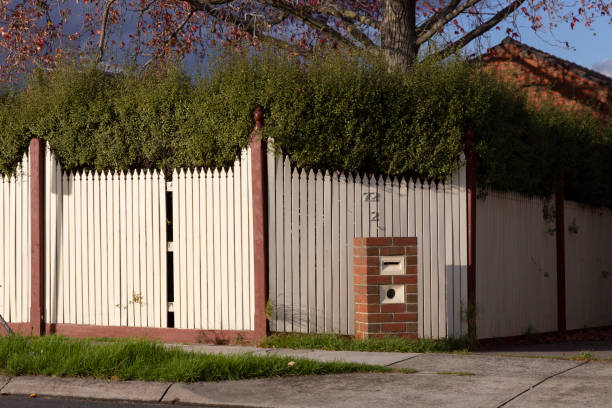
442 20
103 31
481 29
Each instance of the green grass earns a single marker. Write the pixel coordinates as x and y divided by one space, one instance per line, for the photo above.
388 344
149 361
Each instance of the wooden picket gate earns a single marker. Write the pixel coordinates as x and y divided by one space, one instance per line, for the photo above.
108 248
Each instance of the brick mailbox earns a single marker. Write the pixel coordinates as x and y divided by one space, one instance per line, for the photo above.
385 285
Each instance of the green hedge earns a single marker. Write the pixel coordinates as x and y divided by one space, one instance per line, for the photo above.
341 113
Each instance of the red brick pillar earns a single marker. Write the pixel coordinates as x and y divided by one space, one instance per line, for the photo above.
385 284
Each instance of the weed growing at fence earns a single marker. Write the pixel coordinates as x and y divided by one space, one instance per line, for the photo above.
340 113
148 361
386 344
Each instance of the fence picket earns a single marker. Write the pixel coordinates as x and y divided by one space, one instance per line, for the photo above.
295 251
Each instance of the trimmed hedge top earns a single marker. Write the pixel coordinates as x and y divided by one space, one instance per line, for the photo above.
340 113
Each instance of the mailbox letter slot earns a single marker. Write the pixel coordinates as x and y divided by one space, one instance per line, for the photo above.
391 265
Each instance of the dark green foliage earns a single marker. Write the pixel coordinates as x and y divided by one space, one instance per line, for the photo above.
149 361
340 113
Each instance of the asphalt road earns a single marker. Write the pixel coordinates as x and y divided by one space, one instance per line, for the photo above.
9 401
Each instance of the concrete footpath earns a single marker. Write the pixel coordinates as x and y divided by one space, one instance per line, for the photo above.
458 380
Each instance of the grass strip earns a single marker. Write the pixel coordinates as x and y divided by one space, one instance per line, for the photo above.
386 344
127 359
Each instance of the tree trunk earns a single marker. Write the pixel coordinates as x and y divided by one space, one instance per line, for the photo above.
398 33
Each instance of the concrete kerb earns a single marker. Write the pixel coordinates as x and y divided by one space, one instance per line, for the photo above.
87 388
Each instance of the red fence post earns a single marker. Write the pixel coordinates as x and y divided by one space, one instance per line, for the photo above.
37 245
560 250
471 224
260 236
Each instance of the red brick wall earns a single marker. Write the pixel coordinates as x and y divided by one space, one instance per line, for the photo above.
372 318
543 79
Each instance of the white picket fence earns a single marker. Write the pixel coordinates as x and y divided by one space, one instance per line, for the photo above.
588 266
516 268
107 248
15 245
313 218
213 250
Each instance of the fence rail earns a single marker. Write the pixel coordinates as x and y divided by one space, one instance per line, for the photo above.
313 219
15 244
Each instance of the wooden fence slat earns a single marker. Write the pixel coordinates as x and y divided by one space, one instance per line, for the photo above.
456 259
377 207
272 240
403 208
102 250
211 261
279 297
14 311
231 271
303 252
426 262
358 202
239 244
350 235
217 248
327 251
441 252
156 297
91 271
246 241
295 251
151 272
187 243
251 239
19 239
163 251
448 266
65 288
80 204
124 221
463 242
388 220
49 221
312 256
342 259
140 250
366 200
320 233
287 311
433 245
335 254
223 243
418 232
395 218
3 255
116 247
130 245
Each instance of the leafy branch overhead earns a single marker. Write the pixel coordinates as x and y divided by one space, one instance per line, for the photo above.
38 33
